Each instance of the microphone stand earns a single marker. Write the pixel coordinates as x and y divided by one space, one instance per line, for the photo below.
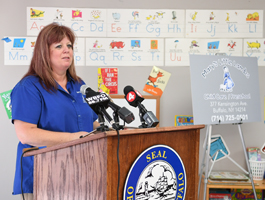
142 111
117 121
144 125
148 119
101 121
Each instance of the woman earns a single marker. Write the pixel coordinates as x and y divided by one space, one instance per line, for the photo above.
47 106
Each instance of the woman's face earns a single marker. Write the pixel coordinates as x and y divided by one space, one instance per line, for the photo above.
61 55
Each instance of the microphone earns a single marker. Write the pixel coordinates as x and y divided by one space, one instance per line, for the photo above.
98 102
94 99
123 112
134 98
104 100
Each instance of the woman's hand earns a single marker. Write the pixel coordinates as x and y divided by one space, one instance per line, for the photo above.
30 134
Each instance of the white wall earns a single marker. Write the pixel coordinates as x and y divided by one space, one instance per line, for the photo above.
175 100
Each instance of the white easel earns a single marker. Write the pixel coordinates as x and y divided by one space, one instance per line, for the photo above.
204 90
206 153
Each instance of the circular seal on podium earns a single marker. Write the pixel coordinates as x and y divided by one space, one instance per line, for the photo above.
158 173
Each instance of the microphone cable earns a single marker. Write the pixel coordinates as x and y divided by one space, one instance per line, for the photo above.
22 193
118 161
24 151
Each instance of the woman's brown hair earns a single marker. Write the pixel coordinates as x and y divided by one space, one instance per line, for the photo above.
40 65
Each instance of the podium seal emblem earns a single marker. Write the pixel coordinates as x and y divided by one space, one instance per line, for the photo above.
157 174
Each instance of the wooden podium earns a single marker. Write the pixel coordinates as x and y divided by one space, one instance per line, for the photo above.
87 168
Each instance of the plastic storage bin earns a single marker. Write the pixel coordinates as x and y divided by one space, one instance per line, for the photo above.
257 168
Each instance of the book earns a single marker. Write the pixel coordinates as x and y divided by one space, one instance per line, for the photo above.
254 153
157 81
230 182
219 190
218 143
108 80
219 196
245 194
183 120
238 176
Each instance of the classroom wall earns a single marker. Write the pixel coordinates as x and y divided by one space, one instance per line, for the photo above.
176 99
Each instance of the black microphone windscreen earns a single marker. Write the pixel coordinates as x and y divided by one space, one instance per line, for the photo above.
128 89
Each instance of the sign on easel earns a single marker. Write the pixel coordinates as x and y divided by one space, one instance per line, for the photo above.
225 89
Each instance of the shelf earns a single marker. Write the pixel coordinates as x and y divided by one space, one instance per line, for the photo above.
261 185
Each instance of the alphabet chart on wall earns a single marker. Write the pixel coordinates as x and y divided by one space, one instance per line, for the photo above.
110 22
83 21
255 48
145 37
224 23
145 23
19 51
178 50
124 51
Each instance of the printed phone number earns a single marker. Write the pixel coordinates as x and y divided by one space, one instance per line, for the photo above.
222 118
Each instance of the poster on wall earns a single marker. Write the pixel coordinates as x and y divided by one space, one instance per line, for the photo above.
83 21
94 22
5 96
120 35
19 51
79 52
124 52
177 50
225 89
145 23
255 48
224 23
